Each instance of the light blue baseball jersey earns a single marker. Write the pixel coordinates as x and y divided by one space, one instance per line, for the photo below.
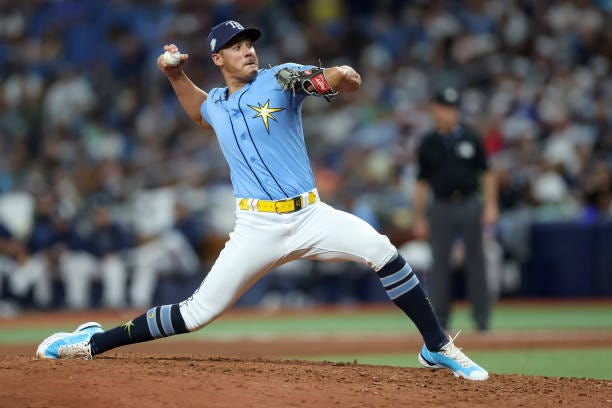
259 129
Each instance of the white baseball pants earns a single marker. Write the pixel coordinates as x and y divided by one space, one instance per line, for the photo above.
261 242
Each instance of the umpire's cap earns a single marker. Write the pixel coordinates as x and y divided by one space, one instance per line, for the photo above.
447 96
222 33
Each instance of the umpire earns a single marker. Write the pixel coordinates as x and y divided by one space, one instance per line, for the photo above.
453 165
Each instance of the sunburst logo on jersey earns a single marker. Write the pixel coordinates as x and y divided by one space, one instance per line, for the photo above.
265 112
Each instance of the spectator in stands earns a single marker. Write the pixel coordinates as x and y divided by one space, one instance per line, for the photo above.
542 72
12 253
99 258
174 251
49 239
597 194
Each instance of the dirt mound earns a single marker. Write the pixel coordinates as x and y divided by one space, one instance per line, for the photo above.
186 380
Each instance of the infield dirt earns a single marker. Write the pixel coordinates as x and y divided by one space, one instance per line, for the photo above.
258 373
189 380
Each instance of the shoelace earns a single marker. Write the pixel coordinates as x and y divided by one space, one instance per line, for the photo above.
77 350
454 352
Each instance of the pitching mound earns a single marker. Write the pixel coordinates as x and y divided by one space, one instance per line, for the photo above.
129 380
261 372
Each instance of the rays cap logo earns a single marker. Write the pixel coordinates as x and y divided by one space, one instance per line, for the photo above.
221 34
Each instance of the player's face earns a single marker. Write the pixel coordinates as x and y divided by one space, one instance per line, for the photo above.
238 59
446 117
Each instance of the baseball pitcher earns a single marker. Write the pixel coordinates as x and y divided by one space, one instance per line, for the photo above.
279 216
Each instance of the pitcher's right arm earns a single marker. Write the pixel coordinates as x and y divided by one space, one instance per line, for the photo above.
189 95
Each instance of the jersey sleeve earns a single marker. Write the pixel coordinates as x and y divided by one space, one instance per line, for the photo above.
423 168
204 107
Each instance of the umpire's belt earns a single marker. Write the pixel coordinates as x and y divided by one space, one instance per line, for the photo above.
456 197
288 205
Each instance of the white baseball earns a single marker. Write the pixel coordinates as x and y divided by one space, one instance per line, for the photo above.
172 58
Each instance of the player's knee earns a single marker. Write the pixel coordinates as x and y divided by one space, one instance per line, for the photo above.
382 252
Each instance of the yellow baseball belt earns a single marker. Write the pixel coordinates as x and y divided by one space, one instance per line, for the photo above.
281 206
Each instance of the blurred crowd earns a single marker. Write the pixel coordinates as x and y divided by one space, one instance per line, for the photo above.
104 177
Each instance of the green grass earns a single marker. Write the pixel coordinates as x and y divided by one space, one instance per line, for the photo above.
591 363
512 317
394 321
505 317
581 363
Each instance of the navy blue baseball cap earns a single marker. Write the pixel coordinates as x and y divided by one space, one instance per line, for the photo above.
447 97
222 33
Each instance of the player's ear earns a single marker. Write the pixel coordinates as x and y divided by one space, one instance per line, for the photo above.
217 59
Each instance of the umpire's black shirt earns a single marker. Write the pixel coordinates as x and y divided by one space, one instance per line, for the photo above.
452 164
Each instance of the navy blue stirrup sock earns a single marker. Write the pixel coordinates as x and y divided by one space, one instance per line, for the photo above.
404 289
159 321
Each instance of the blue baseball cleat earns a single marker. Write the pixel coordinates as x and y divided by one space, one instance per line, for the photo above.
451 357
69 345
